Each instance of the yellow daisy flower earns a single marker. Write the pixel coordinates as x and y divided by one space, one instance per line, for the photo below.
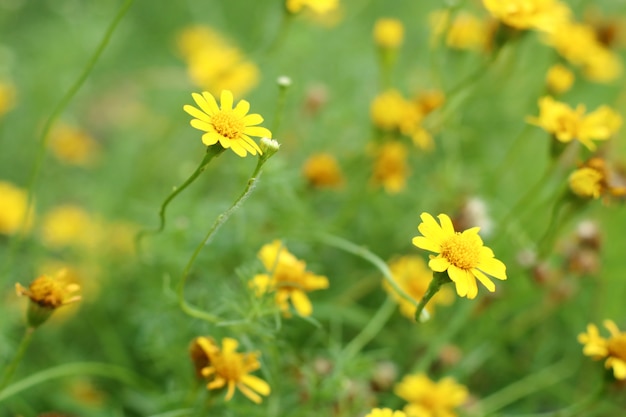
227 368
613 348
385 412
462 255
231 127
429 398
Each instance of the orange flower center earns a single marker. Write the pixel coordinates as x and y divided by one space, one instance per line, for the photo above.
617 346
462 251
228 125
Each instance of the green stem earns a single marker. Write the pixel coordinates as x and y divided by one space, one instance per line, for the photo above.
373 327
280 105
526 386
221 219
211 152
365 254
81 368
45 133
439 279
10 369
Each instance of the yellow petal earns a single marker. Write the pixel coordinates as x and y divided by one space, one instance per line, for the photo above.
484 280
438 264
205 104
242 108
426 244
253 119
256 384
493 267
201 125
459 278
210 138
198 114
258 131
301 303
226 100
446 224
212 106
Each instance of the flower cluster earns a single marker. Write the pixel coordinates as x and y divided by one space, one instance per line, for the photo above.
593 180
612 348
225 367
288 278
214 64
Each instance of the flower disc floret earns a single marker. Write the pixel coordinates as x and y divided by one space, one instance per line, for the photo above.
461 254
231 127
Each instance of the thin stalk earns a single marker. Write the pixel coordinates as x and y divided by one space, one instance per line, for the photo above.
373 327
221 219
10 369
211 152
56 112
439 279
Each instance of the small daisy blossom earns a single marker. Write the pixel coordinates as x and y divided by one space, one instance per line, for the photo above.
427 398
613 348
385 412
462 255
226 367
231 127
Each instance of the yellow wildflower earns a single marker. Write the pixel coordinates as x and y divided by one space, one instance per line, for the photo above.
391 168
592 180
287 277
567 124
578 43
322 170
468 32
227 368
412 275
429 100
388 33
385 412
559 79
73 146
13 209
47 293
387 110
427 398
227 125
462 255
316 6
7 97
213 63
613 348
543 15
70 225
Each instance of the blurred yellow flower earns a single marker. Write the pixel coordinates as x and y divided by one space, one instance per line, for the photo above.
427 398
73 146
214 64
385 412
567 124
13 209
543 15
390 167
468 32
578 43
322 170
224 367
592 180
47 293
7 97
387 109
287 277
388 33
316 6
461 254
413 276
70 225
227 125
613 348
559 79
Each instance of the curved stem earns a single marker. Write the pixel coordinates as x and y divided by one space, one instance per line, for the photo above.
362 252
56 112
10 369
81 368
439 279
373 327
221 219
211 152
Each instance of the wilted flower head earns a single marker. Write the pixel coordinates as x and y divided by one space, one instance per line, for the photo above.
567 124
428 398
13 209
388 33
231 127
224 367
461 254
613 348
413 276
288 277
47 293
322 170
